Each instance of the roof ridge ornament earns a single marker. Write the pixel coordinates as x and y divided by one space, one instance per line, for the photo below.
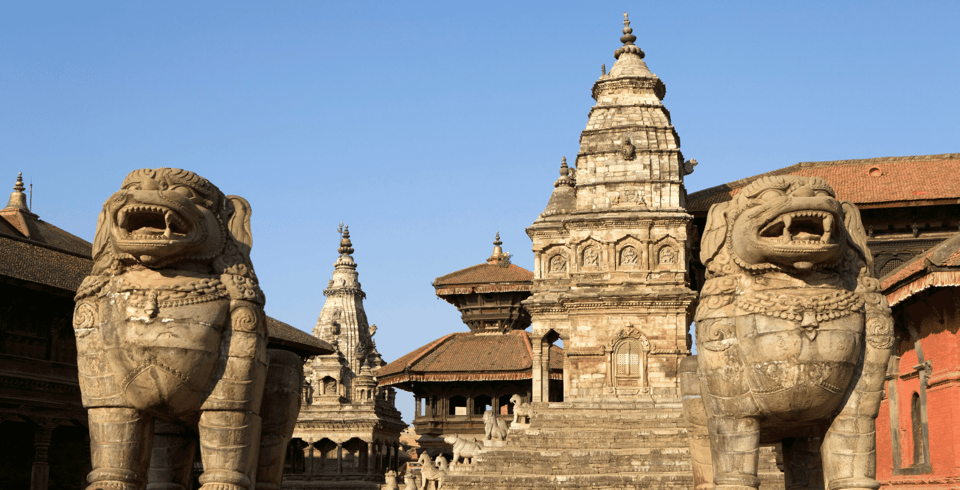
498 257
627 39
18 200
567 175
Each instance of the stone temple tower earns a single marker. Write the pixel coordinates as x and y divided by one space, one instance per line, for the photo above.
611 247
348 431
610 280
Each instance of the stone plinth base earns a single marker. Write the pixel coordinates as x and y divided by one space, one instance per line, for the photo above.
596 446
494 443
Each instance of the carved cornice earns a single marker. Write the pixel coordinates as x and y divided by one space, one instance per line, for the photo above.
652 83
640 105
344 292
616 149
626 128
38 385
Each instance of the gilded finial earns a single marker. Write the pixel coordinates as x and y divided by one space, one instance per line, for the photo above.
346 248
498 257
18 200
627 39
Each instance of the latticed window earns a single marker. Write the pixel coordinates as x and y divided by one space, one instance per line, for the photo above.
890 265
628 359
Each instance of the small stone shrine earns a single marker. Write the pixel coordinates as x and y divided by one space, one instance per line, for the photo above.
463 379
348 432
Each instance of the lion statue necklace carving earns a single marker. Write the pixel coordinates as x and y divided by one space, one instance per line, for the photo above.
793 337
171 340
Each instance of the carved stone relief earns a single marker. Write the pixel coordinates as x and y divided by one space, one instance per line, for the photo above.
591 257
667 256
627 149
629 256
557 264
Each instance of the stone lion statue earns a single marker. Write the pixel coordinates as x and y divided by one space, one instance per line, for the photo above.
793 338
463 448
522 411
494 427
171 343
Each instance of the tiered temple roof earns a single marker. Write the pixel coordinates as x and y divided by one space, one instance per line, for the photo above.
497 348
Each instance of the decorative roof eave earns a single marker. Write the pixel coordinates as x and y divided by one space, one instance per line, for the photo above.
405 377
699 202
936 279
484 288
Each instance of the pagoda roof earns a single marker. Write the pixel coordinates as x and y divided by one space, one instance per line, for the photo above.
937 267
284 336
485 278
871 182
468 356
35 251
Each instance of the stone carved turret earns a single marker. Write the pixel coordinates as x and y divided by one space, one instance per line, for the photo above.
345 417
611 246
342 321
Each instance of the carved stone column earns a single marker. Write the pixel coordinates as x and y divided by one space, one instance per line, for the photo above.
309 465
545 369
371 460
339 459
40 474
538 394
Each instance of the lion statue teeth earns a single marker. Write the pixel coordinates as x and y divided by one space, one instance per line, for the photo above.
793 337
171 341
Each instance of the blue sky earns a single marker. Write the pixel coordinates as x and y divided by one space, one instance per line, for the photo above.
429 126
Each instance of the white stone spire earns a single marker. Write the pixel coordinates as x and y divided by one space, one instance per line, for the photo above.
342 321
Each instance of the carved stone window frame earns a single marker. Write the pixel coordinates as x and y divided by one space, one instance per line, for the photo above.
628 337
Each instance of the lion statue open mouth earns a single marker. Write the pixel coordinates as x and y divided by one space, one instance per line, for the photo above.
792 334
171 342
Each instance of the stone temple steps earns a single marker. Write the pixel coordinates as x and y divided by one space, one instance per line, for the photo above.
596 446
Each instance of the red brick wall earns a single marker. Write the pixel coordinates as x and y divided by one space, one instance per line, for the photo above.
936 320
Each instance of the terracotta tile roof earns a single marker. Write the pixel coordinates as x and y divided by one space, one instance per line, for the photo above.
937 267
21 224
465 356
864 182
284 336
26 260
484 274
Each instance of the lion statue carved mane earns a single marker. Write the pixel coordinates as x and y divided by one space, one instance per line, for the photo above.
171 342
793 336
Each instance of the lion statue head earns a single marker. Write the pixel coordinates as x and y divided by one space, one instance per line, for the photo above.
785 228
168 218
